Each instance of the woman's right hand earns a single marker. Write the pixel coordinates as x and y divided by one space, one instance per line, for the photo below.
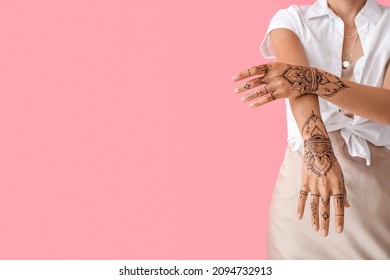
322 178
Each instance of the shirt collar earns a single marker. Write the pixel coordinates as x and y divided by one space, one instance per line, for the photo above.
371 10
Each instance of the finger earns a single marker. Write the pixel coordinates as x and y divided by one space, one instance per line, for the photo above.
325 214
314 198
264 100
302 201
257 70
257 94
338 202
250 84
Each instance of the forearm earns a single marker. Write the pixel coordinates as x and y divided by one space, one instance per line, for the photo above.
366 101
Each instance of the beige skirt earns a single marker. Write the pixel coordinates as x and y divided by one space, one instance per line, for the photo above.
367 222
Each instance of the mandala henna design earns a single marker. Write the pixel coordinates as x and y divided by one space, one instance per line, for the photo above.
247 86
309 79
318 155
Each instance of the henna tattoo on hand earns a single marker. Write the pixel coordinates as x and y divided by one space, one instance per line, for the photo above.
263 68
318 155
339 199
325 216
303 193
253 95
309 80
313 207
260 80
325 201
247 86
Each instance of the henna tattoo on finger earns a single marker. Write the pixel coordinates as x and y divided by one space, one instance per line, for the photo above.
303 192
253 95
339 199
309 79
325 216
263 68
313 206
260 81
247 86
325 201
273 95
339 215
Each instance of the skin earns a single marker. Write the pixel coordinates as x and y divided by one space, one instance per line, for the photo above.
278 80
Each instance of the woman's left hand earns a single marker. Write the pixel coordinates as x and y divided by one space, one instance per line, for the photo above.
280 80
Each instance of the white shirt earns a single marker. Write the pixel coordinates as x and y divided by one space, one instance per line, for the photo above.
321 32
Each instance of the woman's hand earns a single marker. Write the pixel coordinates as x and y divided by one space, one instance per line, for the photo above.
280 80
322 177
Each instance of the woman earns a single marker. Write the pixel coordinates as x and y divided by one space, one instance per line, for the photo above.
332 68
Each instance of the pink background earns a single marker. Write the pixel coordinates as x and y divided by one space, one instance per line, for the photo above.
120 134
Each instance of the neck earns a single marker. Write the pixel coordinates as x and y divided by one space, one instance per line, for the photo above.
347 10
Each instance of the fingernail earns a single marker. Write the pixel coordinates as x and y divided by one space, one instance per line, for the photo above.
299 216
315 227
243 98
323 232
339 229
236 90
234 78
252 105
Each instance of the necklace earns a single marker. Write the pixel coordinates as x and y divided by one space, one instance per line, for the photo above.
350 36
347 61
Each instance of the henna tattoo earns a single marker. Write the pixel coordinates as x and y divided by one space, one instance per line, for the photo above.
309 79
273 95
303 193
325 201
260 81
253 95
249 72
318 155
263 68
339 199
339 215
247 86
325 216
313 207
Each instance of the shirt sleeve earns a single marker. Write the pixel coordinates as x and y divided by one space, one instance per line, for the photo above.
285 18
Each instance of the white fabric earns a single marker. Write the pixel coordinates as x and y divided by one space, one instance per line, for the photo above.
321 32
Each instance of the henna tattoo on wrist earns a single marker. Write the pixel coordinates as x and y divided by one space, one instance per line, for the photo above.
318 152
309 80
